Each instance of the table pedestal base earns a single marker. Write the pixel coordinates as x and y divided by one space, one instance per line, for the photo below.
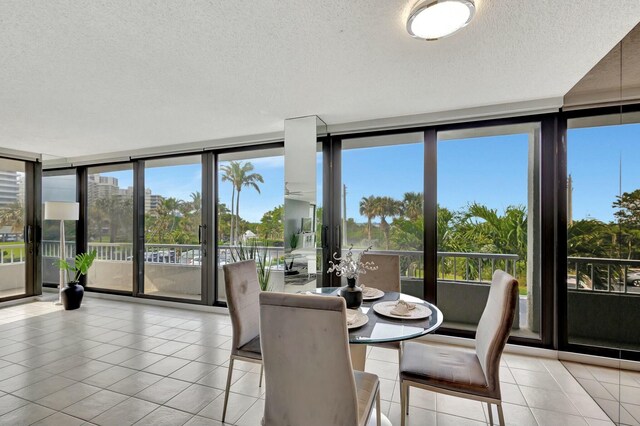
358 356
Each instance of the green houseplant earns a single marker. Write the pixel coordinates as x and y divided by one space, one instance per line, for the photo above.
252 251
72 293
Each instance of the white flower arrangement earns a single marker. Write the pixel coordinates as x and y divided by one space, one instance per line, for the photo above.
348 266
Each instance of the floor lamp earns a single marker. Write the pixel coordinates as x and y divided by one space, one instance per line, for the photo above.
59 210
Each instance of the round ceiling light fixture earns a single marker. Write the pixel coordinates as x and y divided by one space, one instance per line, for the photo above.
433 20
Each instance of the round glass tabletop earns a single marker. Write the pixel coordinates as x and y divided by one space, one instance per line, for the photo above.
380 329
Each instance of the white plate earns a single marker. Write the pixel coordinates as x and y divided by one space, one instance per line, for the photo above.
385 308
361 319
377 295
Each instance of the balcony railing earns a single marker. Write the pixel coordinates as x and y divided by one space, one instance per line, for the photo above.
603 275
454 267
585 273
11 253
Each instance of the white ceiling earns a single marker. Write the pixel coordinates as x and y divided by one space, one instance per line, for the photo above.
86 77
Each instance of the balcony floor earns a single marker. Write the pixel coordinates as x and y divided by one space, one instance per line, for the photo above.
114 362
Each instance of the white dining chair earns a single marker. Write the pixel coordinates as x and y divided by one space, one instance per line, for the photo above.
308 375
463 372
242 289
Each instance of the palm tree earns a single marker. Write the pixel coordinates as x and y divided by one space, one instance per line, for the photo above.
196 202
117 213
412 205
367 208
507 233
386 207
230 170
13 216
239 174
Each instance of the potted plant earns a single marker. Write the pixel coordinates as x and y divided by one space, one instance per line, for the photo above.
72 293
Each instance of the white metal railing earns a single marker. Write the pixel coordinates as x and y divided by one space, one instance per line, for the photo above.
12 253
603 275
452 266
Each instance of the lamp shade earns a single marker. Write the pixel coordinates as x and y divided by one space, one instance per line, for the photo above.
59 210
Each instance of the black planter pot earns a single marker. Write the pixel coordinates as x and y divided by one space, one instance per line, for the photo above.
352 294
72 296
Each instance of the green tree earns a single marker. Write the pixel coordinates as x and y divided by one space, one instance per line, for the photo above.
629 208
240 175
114 213
368 209
271 226
13 216
386 207
412 205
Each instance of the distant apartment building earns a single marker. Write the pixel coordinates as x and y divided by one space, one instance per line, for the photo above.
102 187
152 201
106 186
9 188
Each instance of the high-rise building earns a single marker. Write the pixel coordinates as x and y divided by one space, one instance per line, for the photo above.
9 188
102 187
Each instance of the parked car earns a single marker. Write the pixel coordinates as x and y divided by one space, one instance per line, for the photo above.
160 256
633 278
190 257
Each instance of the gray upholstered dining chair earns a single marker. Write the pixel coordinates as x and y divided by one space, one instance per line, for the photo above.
385 278
461 372
242 288
309 378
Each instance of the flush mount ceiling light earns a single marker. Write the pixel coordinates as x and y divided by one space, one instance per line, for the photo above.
432 20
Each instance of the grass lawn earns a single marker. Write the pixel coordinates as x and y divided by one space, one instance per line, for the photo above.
15 247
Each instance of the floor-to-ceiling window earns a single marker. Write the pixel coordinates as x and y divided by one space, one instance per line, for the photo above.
603 232
59 185
250 214
110 195
13 219
382 201
173 256
488 218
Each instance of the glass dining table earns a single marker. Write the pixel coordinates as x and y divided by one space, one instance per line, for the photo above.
383 329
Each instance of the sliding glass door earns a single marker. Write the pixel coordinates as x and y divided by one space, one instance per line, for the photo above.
250 209
488 218
58 185
110 194
13 222
382 196
173 252
603 233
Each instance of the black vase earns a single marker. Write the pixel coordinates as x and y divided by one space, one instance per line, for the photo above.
72 296
352 294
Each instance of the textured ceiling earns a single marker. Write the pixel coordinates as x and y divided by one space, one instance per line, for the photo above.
82 77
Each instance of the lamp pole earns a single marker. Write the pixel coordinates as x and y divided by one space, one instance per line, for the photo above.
62 257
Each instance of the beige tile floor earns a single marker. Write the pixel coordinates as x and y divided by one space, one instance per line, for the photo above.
120 363
616 391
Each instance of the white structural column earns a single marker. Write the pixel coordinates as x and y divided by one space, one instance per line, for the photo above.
300 198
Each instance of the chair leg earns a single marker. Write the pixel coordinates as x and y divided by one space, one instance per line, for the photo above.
261 373
226 389
404 408
500 414
378 414
407 398
490 414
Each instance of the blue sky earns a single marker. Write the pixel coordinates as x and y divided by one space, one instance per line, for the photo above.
593 156
488 170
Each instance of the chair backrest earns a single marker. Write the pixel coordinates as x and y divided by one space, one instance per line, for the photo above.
307 365
495 324
242 287
387 276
